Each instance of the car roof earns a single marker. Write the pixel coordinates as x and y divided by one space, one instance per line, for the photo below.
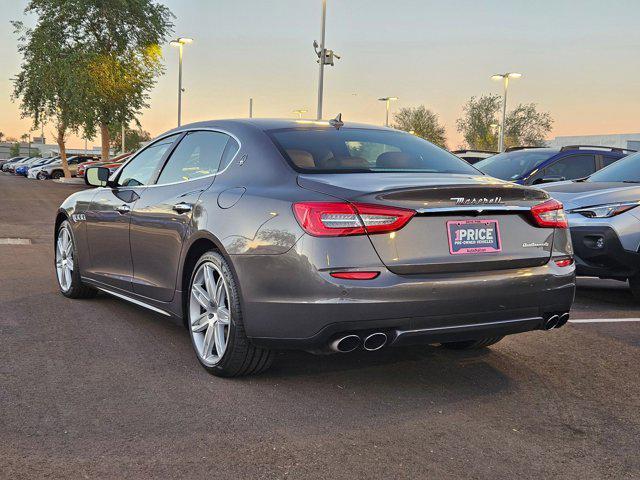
275 124
535 149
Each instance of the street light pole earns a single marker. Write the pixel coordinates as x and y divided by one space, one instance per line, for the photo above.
322 59
387 100
505 80
123 136
250 107
299 112
180 84
180 43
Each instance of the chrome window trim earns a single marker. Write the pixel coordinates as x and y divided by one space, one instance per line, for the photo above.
174 132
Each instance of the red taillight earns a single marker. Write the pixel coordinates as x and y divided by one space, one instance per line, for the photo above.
550 214
564 262
355 275
334 219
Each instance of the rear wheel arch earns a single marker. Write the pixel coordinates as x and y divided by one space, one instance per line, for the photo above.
198 245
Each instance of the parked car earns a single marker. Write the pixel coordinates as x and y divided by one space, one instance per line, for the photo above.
473 156
4 161
54 170
322 236
604 218
95 163
11 166
34 162
533 166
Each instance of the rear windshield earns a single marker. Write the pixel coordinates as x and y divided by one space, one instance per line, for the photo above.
514 165
624 170
350 150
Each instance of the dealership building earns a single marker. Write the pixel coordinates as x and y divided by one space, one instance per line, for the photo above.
620 140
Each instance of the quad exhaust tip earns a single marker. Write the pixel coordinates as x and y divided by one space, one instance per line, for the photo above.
562 319
551 322
374 342
345 344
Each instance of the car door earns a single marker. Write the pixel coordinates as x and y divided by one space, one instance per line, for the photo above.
161 218
108 217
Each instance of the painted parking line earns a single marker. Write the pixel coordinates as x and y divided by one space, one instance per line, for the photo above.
604 320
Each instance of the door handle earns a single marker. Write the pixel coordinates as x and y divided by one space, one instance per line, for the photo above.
182 207
122 209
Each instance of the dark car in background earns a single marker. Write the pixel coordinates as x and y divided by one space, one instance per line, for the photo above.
315 235
533 166
473 156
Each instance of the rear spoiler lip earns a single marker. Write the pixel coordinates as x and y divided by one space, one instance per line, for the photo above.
474 208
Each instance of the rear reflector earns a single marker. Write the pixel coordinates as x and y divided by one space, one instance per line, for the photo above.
564 262
355 275
550 214
334 219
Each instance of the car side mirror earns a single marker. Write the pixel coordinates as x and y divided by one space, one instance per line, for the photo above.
96 176
550 179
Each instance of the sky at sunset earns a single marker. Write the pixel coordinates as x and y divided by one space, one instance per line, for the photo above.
580 60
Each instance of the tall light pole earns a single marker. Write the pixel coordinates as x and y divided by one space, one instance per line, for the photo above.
505 79
180 43
300 111
387 100
325 57
251 107
321 58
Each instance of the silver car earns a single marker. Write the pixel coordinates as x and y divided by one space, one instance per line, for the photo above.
316 235
605 221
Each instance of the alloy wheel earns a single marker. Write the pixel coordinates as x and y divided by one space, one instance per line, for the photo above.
64 259
209 313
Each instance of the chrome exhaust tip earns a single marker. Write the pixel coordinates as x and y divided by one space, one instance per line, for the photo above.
345 344
562 320
374 342
551 322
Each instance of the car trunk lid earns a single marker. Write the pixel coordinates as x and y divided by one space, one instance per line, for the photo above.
446 204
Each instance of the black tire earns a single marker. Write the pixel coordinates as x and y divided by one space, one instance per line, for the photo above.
41 176
240 356
56 174
78 288
473 344
634 285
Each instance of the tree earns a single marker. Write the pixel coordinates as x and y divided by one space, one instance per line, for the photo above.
1 136
527 126
476 124
14 151
133 138
524 124
421 122
119 43
45 84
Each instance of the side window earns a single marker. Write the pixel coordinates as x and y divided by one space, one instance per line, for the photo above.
608 160
572 167
140 170
197 155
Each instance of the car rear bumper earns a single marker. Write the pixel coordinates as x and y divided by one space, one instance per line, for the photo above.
599 253
288 304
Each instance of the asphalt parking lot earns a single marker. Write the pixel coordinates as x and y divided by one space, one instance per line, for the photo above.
101 388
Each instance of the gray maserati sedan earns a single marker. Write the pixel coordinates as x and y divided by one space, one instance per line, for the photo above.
324 236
